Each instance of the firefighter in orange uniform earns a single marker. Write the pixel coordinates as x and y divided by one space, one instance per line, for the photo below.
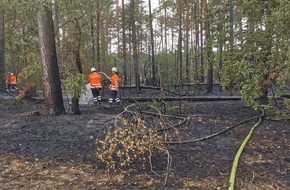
11 82
96 82
114 87
273 76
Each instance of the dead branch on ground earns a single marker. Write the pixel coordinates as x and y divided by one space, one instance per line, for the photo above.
137 137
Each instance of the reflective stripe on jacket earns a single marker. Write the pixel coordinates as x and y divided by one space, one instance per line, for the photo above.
115 82
95 79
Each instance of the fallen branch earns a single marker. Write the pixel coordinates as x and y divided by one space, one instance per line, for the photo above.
212 135
159 114
164 115
175 126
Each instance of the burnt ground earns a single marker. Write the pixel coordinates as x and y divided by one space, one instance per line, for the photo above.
46 152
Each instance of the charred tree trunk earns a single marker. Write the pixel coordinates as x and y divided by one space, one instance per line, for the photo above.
51 79
75 100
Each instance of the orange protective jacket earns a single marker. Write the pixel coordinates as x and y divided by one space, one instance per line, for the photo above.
96 80
115 82
11 79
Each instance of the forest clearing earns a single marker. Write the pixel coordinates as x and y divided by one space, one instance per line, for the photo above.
145 94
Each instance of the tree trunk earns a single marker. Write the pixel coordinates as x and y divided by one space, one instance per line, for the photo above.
202 15
93 39
118 27
134 44
57 21
165 29
98 37
180 9
187 42
152 46
2 51
51 80
75 106
266 49
208 50
75 100
124 44
180 42
196 24
231 26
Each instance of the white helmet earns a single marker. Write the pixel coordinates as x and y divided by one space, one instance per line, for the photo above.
114 69
93 69
11 73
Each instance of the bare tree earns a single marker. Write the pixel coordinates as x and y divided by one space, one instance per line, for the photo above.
51 79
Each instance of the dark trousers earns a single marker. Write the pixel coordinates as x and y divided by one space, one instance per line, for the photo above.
96 94
11 87
114 96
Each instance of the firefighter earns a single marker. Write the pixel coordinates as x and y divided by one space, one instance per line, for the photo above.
96 83
114 87
273 76
11 82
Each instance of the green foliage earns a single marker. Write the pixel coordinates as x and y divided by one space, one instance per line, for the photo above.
74 84
264 49
30 76
253 78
